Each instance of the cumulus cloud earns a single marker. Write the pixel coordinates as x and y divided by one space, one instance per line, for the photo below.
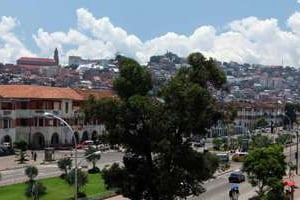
11 46
249 40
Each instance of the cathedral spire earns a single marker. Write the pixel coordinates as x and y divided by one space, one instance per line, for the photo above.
56 56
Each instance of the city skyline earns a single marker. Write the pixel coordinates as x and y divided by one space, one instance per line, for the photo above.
100 30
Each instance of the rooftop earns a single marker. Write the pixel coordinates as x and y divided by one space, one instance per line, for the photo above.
37 59
38 92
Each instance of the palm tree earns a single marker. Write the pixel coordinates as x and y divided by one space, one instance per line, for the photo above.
93 158
22 147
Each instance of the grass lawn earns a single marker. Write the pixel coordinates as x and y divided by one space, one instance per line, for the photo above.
57 189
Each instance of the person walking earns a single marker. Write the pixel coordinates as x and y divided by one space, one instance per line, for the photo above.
34 156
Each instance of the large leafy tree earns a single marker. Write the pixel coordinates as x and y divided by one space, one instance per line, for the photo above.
159 162
265 168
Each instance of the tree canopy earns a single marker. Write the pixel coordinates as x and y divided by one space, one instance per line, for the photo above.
265 167
159 162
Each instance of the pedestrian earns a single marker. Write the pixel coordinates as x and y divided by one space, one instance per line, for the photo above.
31 155
34 156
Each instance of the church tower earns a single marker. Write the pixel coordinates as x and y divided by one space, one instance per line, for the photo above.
56 56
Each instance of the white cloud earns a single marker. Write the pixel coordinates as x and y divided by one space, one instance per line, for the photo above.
249 40
298 1
11 47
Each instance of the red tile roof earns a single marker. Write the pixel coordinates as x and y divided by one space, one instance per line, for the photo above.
38 92
37 59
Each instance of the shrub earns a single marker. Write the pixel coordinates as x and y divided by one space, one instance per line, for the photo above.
35 190
31 172
64 164
94 170
238 158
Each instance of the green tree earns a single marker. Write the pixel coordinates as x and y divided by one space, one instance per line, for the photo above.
159 162
265 167
65 164
31 172
259 140
290 111
21 147
217 142
284 139
133 79
35 190
114 176
82 180
261 123
93 158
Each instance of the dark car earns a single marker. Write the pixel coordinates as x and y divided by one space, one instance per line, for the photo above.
4 151
236 177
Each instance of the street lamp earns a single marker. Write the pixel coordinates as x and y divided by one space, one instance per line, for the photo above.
290 127
50 115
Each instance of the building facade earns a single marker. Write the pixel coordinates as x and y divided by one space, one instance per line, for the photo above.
248 113
21 115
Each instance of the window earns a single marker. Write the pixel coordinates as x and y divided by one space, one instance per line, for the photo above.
23 122
6 106
24 105
67 107
41 122
6 123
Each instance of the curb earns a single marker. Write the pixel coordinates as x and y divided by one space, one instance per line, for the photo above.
225 172
25 165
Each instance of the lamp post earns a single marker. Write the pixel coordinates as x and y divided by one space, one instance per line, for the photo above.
50 115
290 127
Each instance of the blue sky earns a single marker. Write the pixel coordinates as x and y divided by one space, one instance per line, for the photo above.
147 23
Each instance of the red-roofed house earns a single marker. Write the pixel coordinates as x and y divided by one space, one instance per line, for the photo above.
40 66
36 61
21 119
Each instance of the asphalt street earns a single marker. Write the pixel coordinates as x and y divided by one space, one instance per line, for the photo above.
216 189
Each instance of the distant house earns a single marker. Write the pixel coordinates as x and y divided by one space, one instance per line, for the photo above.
36 61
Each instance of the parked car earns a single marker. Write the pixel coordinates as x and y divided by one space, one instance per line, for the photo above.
236 177
4 151
85 144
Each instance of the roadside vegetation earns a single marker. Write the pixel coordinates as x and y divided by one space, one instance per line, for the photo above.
57 189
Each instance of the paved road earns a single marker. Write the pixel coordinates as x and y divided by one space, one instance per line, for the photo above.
216 189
